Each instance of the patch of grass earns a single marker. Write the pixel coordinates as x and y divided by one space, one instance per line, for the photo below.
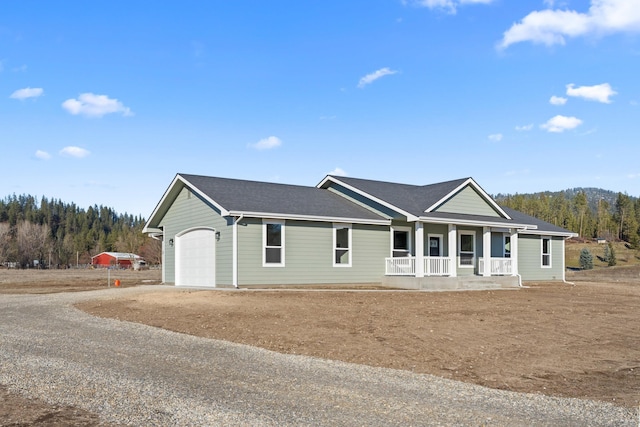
624 255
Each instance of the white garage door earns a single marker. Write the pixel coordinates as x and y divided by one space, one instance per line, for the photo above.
196 258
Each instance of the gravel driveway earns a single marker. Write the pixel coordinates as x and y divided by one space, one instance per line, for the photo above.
138 375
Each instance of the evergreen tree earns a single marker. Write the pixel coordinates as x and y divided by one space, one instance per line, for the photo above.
612 256
40 229
586 259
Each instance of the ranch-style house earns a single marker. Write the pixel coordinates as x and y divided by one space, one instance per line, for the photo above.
219 232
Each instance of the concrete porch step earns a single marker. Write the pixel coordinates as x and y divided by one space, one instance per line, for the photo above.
451 283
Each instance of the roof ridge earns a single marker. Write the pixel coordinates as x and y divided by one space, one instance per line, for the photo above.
253 181
400 183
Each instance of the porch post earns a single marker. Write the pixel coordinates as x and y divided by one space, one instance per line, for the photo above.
513 241
486 250
453 249
419 249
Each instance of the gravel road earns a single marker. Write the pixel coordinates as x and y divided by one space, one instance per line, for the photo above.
133 374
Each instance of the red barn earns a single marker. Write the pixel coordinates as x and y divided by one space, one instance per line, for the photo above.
120 259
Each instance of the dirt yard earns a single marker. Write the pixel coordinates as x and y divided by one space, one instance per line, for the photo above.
556 339
72 280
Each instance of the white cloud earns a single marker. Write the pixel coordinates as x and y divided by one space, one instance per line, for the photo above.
42 155
370 78
524 127
73 151
91 105
27 92
496 137
552 27
338 172
449 6
559 124
557 100
600 93
517 172
267 143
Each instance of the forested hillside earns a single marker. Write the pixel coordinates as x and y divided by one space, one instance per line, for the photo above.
590 212
60 234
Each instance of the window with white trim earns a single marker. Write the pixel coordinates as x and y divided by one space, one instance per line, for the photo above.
400 241
507 246
546 252
466 249
342 245
273 243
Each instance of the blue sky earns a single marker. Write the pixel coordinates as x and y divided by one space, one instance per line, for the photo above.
104 102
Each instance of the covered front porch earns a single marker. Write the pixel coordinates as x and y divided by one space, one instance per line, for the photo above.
452 250
443 266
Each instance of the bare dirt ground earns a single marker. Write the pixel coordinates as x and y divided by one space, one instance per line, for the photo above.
72 280
556 339
16 411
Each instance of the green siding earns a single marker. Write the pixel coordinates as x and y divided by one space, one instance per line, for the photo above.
189 211
530 258
309 255
467 201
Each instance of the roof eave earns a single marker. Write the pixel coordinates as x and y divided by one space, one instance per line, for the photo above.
160 209
299 217
566 235
478 223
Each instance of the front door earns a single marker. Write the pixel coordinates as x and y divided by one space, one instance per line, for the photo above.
435 245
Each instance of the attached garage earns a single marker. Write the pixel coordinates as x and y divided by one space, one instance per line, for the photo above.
195 257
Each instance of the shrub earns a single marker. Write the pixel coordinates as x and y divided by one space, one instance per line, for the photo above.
586 259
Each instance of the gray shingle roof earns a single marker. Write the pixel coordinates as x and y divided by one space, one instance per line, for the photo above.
242 196
543 226
266 197
414 199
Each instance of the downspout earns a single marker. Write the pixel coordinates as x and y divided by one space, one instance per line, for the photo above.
564 267
234 250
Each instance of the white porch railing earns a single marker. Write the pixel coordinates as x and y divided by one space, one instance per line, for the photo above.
498 267
406 266
437 266
400 266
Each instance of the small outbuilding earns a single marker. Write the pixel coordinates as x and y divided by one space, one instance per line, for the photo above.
119 259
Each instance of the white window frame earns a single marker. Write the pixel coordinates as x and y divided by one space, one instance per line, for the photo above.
473 259
265 223
542 253
506 237
336 227
441 249
409 232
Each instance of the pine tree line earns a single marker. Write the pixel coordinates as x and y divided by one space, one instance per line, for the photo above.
55 233
591 216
